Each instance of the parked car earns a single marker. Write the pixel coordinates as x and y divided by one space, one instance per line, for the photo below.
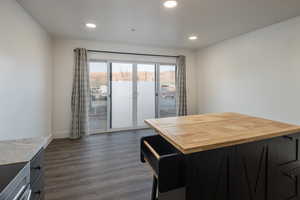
168 91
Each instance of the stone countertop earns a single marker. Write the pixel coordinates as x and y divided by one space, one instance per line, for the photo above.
20 150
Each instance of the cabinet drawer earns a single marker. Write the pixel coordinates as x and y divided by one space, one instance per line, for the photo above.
18 185
165 160
38 189
36 166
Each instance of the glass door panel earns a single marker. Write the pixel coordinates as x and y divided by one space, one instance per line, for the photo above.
145 93
167 91
121 95
98 113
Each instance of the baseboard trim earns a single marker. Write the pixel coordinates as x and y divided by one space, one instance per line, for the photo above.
61 134
66 134
48 140
119 130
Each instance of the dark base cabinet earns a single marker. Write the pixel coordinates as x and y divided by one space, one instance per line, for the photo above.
37 176
263 170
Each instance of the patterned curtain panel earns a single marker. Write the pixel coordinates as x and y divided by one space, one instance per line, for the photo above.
181 101
80 95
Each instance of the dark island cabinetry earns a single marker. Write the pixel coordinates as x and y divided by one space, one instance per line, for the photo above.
263 170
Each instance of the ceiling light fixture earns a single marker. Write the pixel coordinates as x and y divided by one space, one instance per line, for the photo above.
193 37
90 25
170 4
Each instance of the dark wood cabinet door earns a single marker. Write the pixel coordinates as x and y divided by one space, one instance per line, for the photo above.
284 168
208 175
250 171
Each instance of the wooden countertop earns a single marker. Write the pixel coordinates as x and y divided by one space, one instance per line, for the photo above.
197 133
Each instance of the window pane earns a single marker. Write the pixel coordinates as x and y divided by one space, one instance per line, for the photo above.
122 95
167 99
146 92
98 91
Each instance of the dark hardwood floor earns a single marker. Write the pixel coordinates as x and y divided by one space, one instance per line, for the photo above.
99 167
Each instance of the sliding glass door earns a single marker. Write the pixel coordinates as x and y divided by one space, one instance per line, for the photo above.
145 93
132 94
121 95
124 94
98 111
167 91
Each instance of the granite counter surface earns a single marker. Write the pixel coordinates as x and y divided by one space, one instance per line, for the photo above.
20 150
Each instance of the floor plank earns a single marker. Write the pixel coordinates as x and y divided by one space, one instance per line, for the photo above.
99 167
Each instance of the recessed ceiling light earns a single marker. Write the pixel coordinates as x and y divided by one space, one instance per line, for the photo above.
193 37
90 25
170 4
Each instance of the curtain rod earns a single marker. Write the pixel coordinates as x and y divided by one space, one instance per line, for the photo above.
127 53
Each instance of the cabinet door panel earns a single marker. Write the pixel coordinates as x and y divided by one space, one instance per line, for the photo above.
250 171
208 175
284 167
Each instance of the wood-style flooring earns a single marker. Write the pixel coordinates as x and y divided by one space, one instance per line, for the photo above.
99 167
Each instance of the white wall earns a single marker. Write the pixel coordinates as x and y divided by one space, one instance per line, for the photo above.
63 72
257 73
25 74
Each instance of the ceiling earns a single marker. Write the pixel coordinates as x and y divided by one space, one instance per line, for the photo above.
211 20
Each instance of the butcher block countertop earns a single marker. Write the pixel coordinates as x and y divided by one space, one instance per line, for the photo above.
196 133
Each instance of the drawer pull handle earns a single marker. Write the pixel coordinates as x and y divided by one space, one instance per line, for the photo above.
151 149
38 192
37 168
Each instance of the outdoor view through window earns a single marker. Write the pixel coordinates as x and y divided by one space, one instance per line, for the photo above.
124 94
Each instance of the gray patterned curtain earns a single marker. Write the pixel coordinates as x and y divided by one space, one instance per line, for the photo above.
80 95
181 101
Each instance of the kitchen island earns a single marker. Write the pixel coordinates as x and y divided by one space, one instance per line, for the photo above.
224 156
